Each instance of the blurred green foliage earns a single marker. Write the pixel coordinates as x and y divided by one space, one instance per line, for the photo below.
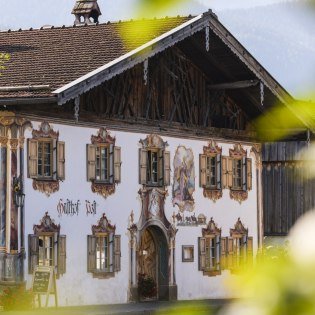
277 285
284 120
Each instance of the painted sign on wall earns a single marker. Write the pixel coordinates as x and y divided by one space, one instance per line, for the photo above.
71 208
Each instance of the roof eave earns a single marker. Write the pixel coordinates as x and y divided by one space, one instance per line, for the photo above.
138 55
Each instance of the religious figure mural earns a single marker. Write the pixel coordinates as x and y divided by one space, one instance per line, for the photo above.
184 179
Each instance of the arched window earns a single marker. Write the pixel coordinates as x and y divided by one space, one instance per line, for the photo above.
240 247
103 248
47 247
210 260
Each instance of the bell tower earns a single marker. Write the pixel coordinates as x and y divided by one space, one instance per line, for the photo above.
84 10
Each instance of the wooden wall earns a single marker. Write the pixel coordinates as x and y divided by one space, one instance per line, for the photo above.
287 192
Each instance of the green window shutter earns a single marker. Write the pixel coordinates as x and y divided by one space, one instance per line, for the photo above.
54 160
117 164
244 173
249 174
217 252
143 161
32 149
230 254
223 253
111 252
91 161
224 172
61 160
61 267
202 170
167 168
33 249
229 172
111 164
91 253
218 169
202 253
117 253
161 167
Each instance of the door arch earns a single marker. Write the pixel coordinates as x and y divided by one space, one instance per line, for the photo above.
153 257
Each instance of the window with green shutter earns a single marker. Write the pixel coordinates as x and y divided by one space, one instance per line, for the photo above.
103 250
103 163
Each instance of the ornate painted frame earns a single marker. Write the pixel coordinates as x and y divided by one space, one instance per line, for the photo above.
212 149
212 231
103 137
238 153
50 186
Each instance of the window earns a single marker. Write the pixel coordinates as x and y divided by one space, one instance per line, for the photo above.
46 155
46 250
154 162
237 173
240 248
47 247
210 256
187 253
210 171
45 158
103 250
103 163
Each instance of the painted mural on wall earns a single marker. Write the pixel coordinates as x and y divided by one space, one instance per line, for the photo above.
184 179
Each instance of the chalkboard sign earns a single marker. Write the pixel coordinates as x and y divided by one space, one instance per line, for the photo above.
41 281
44 282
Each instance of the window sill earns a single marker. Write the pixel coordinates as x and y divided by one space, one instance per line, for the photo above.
212 194
103 189
103 274
238 195
212 273
46 186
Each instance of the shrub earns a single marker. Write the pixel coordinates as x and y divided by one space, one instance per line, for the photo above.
146 285
16 298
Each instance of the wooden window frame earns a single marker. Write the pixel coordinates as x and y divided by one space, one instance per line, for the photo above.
159 168
44 236
235 177
190 249
109 162
154 144
240 248
212 232
229 165
46 184
47 228
100 231
41 142
213 192
103 139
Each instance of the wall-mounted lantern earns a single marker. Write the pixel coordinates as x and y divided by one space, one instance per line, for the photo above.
19 196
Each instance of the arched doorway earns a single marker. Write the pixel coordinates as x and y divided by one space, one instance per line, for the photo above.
153 257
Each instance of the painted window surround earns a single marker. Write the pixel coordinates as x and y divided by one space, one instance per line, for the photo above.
232 253
57 257
103 262
227 173
46 137
103 141
153 145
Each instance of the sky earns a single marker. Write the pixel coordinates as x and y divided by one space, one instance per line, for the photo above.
280 37
36 13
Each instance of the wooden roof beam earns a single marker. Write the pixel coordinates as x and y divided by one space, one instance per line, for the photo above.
233 85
